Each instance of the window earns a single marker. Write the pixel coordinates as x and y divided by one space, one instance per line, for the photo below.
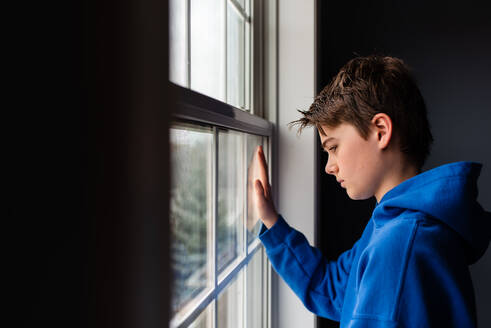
218 261
221 273
211 47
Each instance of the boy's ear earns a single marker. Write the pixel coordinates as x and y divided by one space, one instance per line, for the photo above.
382 126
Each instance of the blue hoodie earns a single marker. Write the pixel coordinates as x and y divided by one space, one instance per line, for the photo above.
410 266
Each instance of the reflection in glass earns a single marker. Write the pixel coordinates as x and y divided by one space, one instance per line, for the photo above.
231 194
190 210
255 291
235 57
208 48
230 304
205 319
253 222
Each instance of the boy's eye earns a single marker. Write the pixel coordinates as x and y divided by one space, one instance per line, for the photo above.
333 148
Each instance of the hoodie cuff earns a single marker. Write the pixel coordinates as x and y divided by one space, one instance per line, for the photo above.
276 234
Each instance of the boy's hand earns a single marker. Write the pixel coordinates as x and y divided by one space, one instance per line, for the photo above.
262 195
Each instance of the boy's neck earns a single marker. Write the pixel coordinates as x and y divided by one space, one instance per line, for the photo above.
395 176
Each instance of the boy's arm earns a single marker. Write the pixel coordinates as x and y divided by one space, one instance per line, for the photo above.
319 283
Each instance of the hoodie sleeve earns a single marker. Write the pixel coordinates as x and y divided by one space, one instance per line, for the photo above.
320 284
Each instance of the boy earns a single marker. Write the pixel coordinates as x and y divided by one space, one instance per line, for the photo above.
410 266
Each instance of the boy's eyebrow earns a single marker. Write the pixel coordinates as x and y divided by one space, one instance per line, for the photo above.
324 144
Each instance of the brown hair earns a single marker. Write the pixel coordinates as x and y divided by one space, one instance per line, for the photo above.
369 85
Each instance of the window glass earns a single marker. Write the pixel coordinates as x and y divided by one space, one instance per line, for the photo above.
208 47
190 211
231 195
255 291
235 58
230 304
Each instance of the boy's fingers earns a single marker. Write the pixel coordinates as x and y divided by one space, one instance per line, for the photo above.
263 168
259 189
263 158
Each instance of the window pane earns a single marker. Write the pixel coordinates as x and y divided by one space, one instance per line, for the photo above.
255 291
208 47
231 196
178 44
205 319
230 304
235 58
253 222
190 210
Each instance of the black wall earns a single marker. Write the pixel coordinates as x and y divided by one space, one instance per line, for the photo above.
87 180
447 44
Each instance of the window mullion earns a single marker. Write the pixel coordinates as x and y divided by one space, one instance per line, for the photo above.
244 225
266 277
225 46
244 299
246 194
215 217
257 53
188 43
244 63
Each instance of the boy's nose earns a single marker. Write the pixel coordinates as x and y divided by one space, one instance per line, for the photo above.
331 168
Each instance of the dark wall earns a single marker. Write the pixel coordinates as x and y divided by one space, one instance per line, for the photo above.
447 46
87 166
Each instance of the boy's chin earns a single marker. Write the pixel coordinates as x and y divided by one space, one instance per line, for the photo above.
358 195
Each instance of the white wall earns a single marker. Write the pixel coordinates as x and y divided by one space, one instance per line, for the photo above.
296 90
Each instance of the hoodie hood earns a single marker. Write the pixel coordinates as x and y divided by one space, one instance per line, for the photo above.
447 193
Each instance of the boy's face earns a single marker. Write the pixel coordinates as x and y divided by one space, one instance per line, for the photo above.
353 160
